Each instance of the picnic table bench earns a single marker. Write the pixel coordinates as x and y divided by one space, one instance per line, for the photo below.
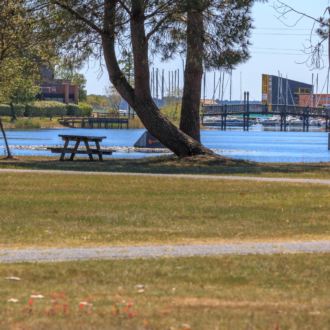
81 138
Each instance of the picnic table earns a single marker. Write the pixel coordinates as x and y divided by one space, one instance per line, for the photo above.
81 138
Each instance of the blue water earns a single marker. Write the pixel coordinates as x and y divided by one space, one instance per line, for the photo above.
256 145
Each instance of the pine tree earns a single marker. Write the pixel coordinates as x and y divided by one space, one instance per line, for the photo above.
211 32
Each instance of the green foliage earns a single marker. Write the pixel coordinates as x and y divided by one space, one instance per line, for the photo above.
127 66
23 47
46 109
67 71
74 110
94 100
5 110
172 111
86 109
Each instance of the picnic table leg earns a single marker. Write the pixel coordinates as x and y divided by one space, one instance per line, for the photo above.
65 146
75 148
87 148
98 149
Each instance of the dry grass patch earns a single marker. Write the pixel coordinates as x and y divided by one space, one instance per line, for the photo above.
228 292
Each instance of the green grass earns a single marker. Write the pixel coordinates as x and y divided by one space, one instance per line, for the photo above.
229 292
29 123
174 165
53 210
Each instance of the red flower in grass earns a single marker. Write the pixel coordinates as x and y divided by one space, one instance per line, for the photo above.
31 302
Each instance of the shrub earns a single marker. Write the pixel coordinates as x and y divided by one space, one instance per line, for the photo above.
45 109
74 110
5 110
86 109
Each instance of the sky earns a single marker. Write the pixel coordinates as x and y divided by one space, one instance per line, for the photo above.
275 47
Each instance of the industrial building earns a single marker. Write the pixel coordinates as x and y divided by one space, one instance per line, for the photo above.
278 90
315 100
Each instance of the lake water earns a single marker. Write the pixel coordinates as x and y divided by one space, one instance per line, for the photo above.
258 144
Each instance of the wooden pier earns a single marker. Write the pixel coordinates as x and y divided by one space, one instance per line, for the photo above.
281 110
95 122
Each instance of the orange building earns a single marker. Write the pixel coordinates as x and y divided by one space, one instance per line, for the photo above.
315 100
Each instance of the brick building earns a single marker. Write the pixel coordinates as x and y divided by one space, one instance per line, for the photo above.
315 100
56 89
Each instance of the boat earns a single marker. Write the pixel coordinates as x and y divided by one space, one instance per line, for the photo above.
213 121
271 122
234 122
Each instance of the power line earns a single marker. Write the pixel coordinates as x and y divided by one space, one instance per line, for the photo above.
294 29
276 48
284 54
284 34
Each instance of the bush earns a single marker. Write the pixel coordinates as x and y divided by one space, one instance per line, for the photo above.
86 109
5 110
45 109
74 110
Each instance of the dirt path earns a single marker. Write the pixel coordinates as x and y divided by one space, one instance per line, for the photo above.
188 176
53 255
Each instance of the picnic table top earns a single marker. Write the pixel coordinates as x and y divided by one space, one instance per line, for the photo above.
83 137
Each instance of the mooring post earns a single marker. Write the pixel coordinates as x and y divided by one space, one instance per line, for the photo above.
307 118
225 117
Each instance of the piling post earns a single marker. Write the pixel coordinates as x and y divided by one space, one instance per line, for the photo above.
307 118
225 126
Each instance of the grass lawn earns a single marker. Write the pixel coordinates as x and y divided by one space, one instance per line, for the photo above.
54 210
229 292
172 165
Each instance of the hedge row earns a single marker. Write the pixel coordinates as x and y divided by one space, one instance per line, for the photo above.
47 109
5 110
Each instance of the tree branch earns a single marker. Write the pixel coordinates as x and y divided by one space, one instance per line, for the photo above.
79 17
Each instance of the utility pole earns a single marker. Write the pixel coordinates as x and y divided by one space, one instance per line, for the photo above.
178 82
169 86
183 70
157 86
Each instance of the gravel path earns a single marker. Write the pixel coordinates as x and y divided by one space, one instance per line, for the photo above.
189 176
52 255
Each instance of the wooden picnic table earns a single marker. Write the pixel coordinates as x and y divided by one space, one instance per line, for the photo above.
81 138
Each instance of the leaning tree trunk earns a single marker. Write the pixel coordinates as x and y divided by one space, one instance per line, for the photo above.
12 111
190 121
140 98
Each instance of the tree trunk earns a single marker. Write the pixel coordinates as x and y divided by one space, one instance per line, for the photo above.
12 111
189 122
5 138
140 98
